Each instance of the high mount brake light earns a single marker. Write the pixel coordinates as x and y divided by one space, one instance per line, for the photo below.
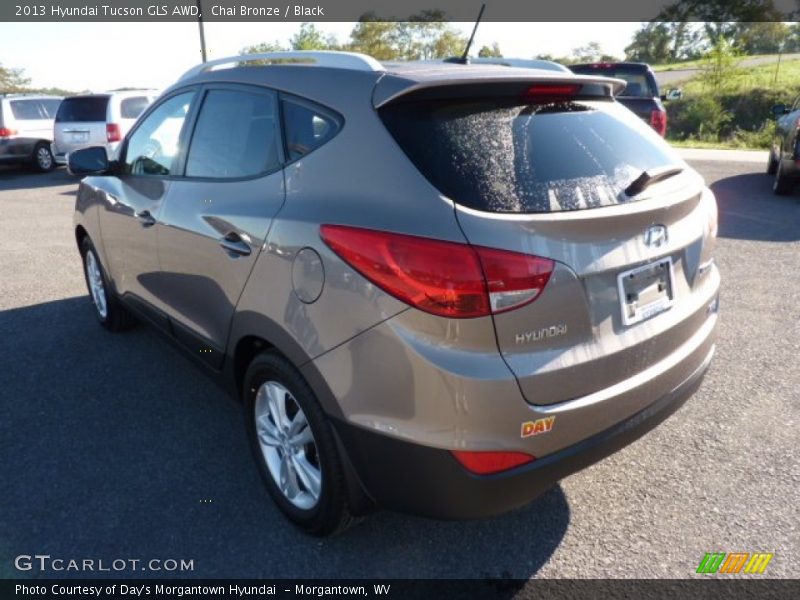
447 279
549 91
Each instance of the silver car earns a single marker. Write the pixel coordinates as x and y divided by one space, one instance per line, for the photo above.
26 129
435 288
97 120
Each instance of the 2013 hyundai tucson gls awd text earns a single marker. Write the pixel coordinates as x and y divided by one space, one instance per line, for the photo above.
436 288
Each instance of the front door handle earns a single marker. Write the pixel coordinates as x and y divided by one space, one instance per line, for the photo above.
146 219
234 244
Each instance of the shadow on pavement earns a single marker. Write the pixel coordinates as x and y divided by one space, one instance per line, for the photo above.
749 210
17 178
116 446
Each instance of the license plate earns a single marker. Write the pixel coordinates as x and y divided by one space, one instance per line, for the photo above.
646 291
79 137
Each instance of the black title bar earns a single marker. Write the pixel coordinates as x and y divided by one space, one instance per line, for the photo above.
397 10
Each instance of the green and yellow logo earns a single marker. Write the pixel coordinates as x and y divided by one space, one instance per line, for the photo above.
733 562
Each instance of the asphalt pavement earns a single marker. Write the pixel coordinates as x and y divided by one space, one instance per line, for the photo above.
117 446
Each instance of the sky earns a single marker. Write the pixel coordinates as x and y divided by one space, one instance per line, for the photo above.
101 56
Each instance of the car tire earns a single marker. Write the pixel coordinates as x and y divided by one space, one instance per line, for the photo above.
781 185
107 307
304 477
772 163
43 160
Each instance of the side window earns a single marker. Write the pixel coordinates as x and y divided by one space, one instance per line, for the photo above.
26 110
236 135
306 127
153 147
131 108
50 107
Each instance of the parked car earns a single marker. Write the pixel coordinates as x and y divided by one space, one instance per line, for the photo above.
438 289
26 129
640 94
785 151
97 120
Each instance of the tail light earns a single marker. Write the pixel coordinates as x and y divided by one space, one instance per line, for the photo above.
113 134
6 132
442 278
658 121
485 463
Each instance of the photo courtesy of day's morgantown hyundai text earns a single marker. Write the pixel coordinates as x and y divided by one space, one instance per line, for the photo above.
436 288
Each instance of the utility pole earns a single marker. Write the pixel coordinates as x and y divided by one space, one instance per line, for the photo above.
202 32
778 66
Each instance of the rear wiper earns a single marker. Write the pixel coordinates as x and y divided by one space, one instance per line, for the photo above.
647 178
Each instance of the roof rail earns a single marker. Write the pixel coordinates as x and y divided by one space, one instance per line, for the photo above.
322 58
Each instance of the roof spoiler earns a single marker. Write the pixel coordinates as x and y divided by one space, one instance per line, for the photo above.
393 87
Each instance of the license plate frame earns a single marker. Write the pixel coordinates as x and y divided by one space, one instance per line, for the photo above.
79 137
655 281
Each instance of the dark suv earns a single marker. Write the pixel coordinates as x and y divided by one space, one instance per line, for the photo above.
440 288
640 94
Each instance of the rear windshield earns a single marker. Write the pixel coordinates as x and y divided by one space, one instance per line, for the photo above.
639 83
82 109
537 158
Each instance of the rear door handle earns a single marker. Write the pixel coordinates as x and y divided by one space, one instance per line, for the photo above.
146 219
234 244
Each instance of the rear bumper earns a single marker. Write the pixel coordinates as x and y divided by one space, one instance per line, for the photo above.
427 481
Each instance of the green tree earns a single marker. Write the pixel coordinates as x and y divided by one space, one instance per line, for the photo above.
492 51
12 80
665 42
373 37
720 65
311 38
590 52
263 47
423 36
762 37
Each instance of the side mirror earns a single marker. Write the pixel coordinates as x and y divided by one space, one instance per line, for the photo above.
780 109
88 161
672 94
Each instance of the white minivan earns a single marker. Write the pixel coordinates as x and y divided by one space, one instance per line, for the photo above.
97 120
26 129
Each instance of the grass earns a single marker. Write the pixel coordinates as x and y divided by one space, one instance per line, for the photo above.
697 64
748 78
707 145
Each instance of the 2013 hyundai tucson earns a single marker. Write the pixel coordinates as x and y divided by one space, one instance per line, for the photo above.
436 288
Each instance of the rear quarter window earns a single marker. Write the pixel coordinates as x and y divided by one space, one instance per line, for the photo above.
508 157
131 108
83 109
307 127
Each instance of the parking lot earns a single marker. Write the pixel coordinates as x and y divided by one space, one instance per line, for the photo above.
116 446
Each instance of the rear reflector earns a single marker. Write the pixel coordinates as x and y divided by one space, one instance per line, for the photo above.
485 463
113 134
550 90
6 132
658 121
447 279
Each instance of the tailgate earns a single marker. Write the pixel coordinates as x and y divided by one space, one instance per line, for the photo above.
554 177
